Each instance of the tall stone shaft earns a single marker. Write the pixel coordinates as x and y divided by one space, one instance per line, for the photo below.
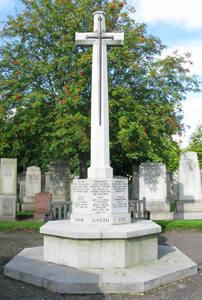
100 158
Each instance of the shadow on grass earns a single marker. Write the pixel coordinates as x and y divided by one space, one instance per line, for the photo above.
24 215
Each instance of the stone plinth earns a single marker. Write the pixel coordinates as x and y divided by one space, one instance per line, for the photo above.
117 246
100 201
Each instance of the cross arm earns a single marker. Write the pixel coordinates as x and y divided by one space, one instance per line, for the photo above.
82 38
113 39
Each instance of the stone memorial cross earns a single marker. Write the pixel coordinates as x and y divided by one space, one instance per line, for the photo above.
100 161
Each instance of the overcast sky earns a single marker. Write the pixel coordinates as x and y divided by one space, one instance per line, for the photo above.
178 23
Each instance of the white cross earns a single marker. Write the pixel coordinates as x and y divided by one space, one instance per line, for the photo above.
100 161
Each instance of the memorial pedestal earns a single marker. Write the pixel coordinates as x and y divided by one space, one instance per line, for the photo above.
100 201
116 246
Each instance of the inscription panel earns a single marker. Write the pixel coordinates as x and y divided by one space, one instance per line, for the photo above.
80 196
120 196
100 196
100 201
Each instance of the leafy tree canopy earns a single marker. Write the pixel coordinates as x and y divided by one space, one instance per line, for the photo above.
45 88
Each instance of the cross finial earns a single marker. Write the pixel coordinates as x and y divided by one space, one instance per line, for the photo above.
100 4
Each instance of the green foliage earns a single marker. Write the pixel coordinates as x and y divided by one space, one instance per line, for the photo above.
45 88
196 143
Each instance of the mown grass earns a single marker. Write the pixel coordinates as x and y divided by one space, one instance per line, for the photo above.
180 225
20 225
176 225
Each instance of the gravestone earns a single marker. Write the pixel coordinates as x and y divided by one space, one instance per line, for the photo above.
42 201
175 185
190 193
134 186
58 180
153 186
21 188
33 186
8 188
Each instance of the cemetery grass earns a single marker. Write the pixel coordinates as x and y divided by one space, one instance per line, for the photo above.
21 225
29 225
180 225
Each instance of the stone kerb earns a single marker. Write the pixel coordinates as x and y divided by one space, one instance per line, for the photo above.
8 188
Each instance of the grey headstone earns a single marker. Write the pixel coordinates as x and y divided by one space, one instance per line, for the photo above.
189 177
58 180
33 184
153 186
8 188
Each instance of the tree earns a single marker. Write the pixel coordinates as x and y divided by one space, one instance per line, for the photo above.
45 88
196 143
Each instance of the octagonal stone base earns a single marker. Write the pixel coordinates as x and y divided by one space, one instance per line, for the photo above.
30 267
112 246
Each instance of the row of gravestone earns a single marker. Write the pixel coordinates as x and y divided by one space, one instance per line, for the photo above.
170 196
152 181
56 181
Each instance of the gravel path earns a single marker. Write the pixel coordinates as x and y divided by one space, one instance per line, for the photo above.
190 289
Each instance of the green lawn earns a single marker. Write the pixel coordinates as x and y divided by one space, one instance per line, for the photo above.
20 225
180 225
177 225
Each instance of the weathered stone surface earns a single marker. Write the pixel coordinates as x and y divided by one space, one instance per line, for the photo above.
7 207
42 201
125 245
8 188
58 180
189 177
134 185
8 176
33 183
29 266
21 186
175 182
153 186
